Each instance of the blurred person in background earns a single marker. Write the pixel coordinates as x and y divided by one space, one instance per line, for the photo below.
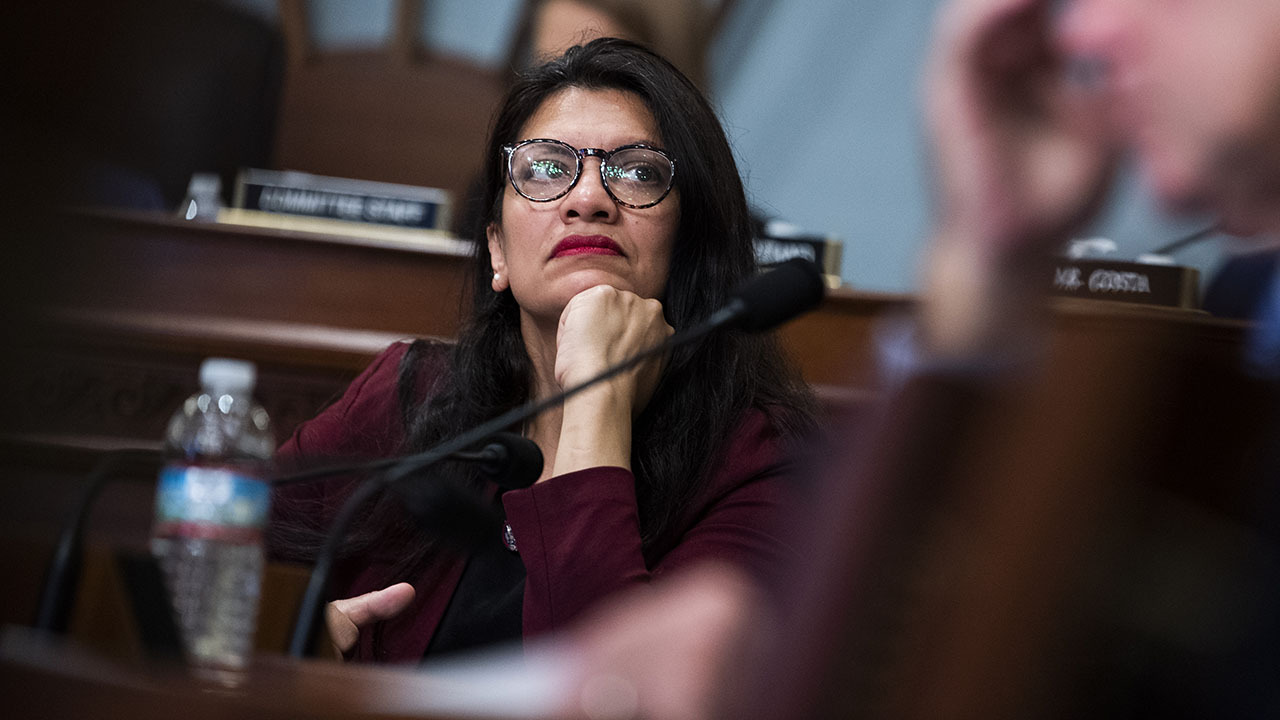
679 30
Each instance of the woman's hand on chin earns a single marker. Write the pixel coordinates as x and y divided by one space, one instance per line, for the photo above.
603 326
599 328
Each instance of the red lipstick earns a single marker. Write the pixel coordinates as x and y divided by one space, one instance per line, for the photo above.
586 244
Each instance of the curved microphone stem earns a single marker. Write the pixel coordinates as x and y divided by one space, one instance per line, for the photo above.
312 596
53 612
304 627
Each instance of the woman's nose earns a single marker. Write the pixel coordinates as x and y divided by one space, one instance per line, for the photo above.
589 198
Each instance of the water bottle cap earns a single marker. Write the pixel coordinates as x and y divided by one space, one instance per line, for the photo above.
228 375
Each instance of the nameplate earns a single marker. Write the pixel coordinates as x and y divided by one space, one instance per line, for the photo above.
361 201
824 251
1114 280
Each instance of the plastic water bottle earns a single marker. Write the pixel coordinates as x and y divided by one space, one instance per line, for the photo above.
211 509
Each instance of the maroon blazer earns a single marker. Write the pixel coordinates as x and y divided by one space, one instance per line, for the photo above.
578 534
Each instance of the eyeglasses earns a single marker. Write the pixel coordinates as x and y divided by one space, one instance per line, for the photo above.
636 176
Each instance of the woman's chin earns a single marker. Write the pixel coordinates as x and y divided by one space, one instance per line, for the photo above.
548 301
589 277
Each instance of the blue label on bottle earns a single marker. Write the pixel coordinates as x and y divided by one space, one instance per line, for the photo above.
193 496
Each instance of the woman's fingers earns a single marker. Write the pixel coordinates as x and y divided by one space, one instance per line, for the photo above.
602 326
344 618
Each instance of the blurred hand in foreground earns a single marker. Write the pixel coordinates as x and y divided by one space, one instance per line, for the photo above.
663 652
1022 157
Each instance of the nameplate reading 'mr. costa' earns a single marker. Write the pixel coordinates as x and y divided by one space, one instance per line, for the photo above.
1148 284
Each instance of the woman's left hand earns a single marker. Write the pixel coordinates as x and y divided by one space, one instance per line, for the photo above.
599 328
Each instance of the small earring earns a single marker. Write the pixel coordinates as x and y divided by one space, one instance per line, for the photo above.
497 276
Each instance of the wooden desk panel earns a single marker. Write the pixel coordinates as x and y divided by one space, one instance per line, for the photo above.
47 677
154 264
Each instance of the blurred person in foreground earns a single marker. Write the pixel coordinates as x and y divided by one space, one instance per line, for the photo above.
1061 570
614 216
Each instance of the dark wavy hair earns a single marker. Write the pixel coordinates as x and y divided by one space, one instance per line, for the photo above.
706 386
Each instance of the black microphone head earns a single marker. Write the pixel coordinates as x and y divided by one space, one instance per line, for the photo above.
453 514
512 461
774 297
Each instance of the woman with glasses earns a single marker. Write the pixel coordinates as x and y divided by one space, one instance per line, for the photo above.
615 216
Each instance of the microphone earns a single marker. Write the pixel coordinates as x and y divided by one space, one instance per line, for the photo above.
762 303
510 460
457 513
452 512
770 299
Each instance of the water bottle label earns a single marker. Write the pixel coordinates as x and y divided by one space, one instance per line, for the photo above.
211 503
